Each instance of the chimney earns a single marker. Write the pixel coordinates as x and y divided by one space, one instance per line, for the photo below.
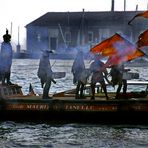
124 5
136 7
112 5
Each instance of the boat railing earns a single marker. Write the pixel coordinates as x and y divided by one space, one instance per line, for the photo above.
98 89
129 83
10 90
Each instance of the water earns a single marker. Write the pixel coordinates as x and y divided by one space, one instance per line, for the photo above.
46 135
74 135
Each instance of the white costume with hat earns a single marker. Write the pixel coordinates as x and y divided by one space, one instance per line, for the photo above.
45 73
78 68
44 70
6 56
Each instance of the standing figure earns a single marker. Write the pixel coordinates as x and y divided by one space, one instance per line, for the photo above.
98 73
6 56
116 73
77 69
45 73
0 68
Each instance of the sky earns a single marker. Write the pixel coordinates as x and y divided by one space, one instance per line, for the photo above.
16 14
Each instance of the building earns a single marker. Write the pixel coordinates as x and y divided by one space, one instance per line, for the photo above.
65 32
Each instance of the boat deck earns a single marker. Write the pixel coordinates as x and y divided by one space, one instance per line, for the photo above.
15 92
99 97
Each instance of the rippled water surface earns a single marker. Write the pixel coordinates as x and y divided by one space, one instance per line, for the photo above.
46 135
54 135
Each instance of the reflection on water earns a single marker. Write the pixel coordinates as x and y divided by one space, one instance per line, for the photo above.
49 135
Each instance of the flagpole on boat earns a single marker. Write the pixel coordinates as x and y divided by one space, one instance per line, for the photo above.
82 29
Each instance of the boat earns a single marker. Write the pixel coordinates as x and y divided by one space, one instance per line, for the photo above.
63 107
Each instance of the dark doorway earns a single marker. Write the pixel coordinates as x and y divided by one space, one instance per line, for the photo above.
53 43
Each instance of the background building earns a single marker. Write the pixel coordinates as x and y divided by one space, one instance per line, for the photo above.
65 32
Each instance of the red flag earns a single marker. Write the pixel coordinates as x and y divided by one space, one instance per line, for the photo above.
118 48
143 39
143 14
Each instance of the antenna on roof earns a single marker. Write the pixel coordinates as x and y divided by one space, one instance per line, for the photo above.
124 5
137 7
112 5
82 29
68 17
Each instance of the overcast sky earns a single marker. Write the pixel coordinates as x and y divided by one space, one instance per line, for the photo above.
22 12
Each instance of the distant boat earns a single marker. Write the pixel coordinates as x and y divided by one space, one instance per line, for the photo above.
21 55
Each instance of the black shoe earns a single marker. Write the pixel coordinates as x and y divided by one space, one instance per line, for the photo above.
92 98
46 97
77 97
3 83
107 98
82 97
116 98
9 83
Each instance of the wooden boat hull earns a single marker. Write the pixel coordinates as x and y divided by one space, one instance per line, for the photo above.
63 107
75 117
80 110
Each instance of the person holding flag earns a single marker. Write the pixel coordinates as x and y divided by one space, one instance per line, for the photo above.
99 71
118 50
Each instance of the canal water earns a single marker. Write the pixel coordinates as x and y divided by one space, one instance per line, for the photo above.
63 135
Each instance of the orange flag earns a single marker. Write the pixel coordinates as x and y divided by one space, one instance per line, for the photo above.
118 49
105 48
143 39
117 59
143 14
